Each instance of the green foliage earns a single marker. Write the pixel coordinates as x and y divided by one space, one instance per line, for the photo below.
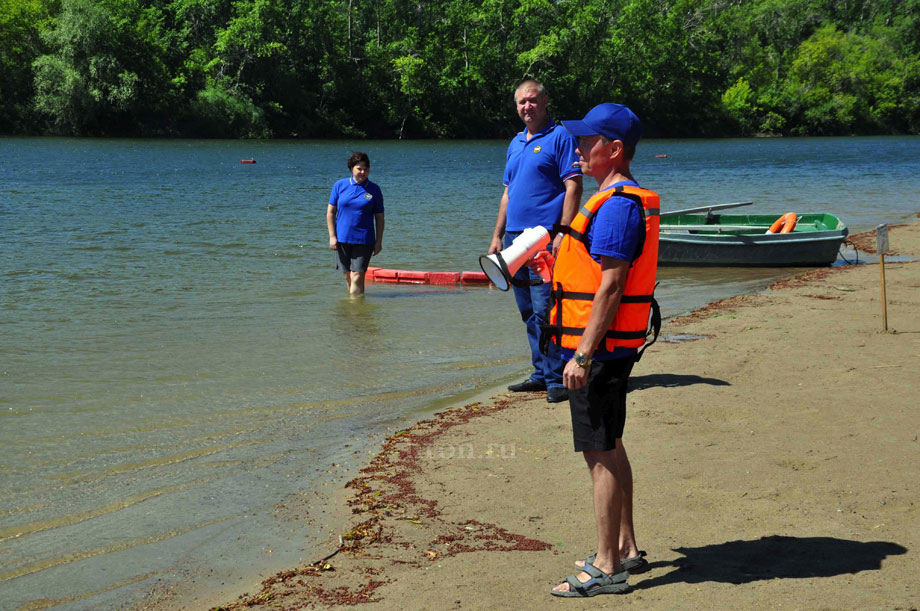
739 102
847 83
225 113
21 22
103 69
447 68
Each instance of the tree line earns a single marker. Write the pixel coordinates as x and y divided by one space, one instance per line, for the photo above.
447 68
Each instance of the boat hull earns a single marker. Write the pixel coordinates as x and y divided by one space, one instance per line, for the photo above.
817 244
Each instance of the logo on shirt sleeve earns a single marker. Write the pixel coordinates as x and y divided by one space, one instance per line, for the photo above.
537 149
368 196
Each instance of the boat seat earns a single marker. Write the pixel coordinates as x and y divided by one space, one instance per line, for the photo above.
714 228
723 228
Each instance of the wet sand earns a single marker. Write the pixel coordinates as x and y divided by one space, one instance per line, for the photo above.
775 453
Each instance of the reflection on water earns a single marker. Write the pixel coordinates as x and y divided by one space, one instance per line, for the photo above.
682 289
355 325
421 291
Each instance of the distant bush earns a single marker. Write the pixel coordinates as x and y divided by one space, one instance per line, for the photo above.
446 68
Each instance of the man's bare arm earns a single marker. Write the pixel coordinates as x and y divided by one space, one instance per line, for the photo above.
499 233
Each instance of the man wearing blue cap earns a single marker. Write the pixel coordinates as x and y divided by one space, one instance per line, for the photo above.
603 281
542 188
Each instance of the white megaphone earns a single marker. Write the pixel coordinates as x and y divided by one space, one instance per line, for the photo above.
502 266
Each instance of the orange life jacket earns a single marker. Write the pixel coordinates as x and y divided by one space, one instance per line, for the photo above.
577 276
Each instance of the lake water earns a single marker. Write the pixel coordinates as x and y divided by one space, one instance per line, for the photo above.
181 373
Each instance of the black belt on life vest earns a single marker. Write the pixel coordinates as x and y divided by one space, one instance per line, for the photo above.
549 331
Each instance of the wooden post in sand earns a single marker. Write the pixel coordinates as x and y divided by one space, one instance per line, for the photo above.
881 237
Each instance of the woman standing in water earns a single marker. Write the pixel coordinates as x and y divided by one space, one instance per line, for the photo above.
355 221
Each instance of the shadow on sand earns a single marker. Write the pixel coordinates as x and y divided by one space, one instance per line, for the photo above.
773 557
671 379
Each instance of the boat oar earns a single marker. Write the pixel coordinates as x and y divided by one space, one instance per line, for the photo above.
707 209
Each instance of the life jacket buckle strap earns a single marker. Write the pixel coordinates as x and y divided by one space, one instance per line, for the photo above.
637 299
656 327
549 330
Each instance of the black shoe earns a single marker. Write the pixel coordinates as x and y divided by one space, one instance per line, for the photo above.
557 394
527 386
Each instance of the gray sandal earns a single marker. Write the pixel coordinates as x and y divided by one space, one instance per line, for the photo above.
600 583
635 565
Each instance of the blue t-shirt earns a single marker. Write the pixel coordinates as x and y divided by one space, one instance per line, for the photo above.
535 174
613 232
355 206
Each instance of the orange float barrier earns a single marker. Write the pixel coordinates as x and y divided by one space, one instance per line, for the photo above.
379 274
386 275
444 278
474 278
784 224
413 277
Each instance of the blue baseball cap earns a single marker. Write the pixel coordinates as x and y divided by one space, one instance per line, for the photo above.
614 121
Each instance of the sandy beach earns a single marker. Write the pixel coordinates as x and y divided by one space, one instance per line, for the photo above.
774 443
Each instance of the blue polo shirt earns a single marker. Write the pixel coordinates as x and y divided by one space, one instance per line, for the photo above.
535 173
355 204
613 232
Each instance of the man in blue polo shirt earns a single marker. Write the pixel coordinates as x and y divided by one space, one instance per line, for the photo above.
542 187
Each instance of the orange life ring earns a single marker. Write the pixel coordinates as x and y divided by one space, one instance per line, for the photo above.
784 224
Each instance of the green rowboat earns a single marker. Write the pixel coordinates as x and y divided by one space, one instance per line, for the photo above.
740 240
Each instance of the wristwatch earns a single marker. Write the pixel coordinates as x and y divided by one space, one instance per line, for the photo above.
582 360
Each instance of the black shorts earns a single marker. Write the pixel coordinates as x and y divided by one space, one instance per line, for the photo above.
353 257
599 407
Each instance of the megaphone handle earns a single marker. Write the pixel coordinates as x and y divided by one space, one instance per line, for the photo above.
504 267
506 272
